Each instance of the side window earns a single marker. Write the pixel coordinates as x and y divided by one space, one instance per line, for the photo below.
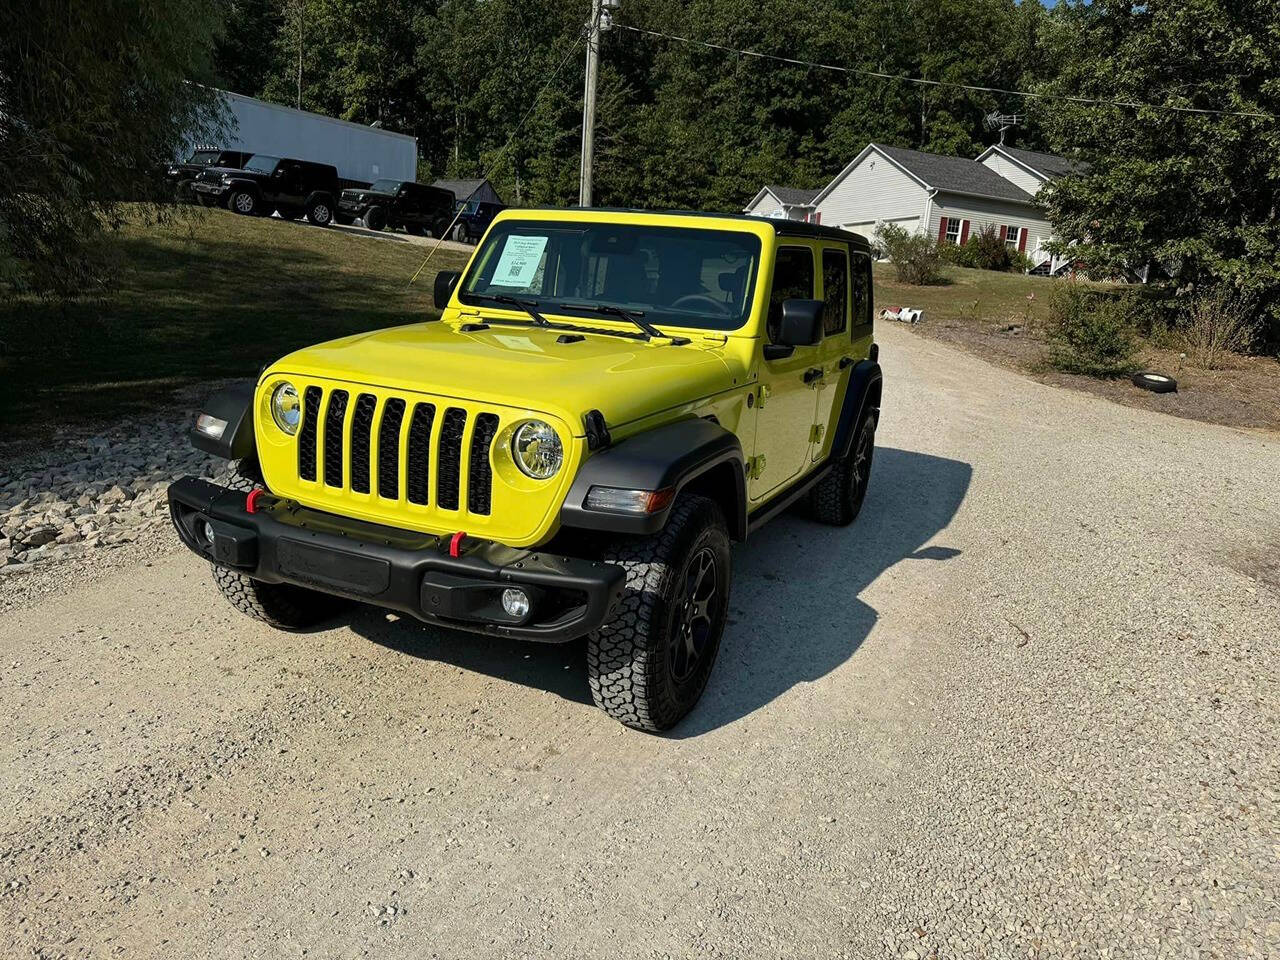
861 282
835 291
792 279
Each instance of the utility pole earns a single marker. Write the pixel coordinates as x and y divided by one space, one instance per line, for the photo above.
302 10
601 12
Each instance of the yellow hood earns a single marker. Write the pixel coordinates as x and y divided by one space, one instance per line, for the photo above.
524 367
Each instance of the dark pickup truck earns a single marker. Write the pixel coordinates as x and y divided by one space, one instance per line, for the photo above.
290 187
183 174
398 203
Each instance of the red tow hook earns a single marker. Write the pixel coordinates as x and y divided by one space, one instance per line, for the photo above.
455 543
251 501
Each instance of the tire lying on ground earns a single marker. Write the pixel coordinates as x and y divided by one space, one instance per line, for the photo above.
1155 382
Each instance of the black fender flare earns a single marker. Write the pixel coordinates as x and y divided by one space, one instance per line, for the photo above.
242 183
863 395
234 406
697 455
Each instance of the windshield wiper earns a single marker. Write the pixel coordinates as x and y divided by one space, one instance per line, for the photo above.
635 316
528 306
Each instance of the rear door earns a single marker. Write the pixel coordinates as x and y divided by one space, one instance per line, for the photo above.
834 351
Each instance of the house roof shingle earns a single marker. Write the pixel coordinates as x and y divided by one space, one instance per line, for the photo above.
475 189
1048 164
955 174
793 196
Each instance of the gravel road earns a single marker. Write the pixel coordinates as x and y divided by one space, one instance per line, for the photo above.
1025 707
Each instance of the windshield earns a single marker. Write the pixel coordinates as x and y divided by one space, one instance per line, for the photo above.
385 186
205 157
677 275
262 164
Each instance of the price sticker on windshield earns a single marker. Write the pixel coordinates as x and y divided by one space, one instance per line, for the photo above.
519 262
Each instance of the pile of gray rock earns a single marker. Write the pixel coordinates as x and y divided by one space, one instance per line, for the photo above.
92 494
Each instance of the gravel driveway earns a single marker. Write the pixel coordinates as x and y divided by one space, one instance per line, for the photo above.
1025 707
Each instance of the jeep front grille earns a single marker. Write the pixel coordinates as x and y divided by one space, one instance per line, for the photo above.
399 449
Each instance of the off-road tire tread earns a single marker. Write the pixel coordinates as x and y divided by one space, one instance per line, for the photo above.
279 605
621 660
829 500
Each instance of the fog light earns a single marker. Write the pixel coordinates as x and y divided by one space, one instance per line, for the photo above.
206 530
515 602
211 426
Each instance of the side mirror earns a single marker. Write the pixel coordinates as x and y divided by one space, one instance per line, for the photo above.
446 280
801 326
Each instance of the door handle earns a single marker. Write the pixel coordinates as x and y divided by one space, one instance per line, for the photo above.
846 362
812 374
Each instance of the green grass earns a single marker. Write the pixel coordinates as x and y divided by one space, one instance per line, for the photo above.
206 297
969 296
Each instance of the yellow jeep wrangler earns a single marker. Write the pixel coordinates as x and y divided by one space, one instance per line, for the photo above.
609 399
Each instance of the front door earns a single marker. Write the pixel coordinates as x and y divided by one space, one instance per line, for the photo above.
785 396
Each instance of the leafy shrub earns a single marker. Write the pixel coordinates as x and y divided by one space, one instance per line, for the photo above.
989 251
961 254
1219 323
916 257
1089 332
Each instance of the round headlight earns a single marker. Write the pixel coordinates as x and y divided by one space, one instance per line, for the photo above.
285 408
537 450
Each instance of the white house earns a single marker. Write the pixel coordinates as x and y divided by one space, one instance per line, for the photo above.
782 203
946 197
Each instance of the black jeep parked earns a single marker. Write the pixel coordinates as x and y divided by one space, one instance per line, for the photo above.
474 219
182 175
290 187
398 203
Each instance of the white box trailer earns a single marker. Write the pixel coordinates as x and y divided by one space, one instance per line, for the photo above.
361 154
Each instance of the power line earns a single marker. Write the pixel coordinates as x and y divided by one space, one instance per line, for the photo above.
898 78
505 147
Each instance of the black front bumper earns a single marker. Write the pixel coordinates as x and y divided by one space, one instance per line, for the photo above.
413 573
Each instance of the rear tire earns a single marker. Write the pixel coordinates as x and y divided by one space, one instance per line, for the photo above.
461 234
320 212
837 498
649 665
375 218
279 605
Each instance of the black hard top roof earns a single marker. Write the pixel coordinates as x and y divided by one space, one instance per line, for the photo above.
783 228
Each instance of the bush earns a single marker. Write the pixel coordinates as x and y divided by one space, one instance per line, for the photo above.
989 251
916 257
1089 332
1219 323
961 254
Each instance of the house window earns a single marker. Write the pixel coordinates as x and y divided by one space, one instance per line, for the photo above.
1011 234
953 230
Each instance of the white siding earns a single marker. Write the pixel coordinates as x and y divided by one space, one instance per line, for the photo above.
998 213
874 190
1013 173
766 206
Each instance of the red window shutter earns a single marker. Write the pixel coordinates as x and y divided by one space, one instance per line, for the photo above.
817 217
1022 240
964 232
1004 232
942 229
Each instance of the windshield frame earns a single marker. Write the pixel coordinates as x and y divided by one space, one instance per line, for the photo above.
249 164
559 304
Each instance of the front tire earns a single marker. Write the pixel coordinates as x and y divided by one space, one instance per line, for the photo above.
320 212
243 202
649 665
375 218
279 605
837 499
